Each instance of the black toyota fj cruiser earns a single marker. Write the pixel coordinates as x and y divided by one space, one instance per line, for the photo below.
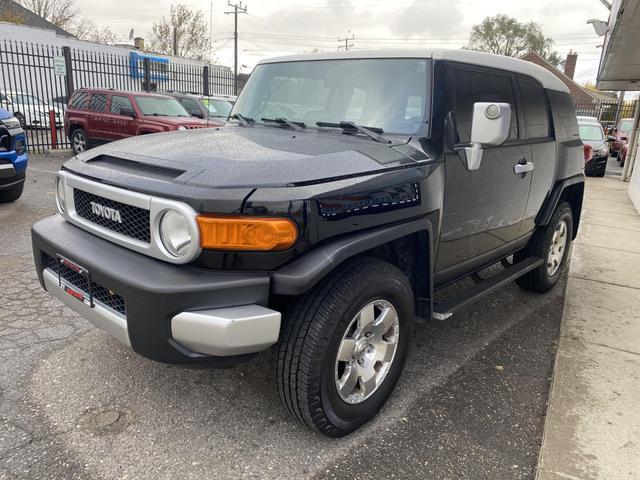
345 190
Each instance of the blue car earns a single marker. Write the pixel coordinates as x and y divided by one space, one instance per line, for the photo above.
13 157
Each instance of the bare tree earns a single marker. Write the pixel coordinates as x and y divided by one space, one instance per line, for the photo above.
62 13
85 29
505 35
183 34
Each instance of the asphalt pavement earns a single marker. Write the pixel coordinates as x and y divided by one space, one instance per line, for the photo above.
75 404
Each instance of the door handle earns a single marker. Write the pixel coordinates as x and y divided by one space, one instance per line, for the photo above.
522 167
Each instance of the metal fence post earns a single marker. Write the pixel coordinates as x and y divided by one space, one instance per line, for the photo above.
205 80
68 65
146 66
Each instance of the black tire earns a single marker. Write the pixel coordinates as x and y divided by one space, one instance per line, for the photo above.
20 118
305 359
540 280
11 194
79 141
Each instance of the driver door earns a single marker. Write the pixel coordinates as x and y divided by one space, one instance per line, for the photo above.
483 209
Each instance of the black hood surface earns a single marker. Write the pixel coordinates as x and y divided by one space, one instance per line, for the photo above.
246 157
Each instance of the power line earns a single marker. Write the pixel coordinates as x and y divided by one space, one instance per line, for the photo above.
238 8
348 41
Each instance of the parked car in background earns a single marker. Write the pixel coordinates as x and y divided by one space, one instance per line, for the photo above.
13 157
621 135
31 111
96 116
215 108
592 134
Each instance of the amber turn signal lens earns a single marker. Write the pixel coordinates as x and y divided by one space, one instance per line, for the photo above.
246 233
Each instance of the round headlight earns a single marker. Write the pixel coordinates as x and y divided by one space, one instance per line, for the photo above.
175 234
182 127
60 194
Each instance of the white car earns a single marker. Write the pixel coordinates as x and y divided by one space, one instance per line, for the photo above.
31 111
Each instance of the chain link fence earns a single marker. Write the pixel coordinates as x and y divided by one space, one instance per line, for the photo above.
36 80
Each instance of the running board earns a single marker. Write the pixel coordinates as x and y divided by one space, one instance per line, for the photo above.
444 310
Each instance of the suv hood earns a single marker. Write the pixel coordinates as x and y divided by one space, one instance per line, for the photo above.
243 157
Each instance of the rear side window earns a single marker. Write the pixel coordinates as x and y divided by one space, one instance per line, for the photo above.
536 111
564 115
471 86
98 102
79 100
118 102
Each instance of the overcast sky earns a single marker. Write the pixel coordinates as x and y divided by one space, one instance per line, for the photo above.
276 27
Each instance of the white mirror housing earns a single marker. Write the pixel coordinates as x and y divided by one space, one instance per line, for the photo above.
490 126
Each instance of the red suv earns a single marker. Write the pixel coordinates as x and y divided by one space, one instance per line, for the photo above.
96 116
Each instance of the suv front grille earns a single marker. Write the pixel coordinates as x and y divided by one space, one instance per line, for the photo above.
100 294
135 220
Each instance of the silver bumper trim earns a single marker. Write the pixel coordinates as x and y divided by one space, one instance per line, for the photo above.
7 170
227 331
219 332
101 316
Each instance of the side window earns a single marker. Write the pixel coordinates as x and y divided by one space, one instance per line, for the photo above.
564 114
536 110
189 105
79 100
98 102
472 86
118 102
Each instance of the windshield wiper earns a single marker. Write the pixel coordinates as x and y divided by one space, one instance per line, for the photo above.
297 126
244 121
372 132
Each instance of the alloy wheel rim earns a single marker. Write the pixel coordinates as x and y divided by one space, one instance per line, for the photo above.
79 142
367 351
557 248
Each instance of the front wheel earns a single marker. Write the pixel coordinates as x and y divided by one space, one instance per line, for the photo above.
79 141
552 243
344 345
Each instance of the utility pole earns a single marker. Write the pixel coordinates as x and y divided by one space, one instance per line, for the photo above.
210 30
175 41
348 41
237 8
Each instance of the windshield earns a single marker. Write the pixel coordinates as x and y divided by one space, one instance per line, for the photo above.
625 126
591 133
218 108
160 106
26 99
390 94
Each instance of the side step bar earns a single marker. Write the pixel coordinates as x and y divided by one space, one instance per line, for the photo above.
444 310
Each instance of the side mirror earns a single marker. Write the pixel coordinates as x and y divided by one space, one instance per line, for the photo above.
490 126
196 113
127 112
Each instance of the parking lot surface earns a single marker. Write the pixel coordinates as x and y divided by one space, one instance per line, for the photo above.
74 403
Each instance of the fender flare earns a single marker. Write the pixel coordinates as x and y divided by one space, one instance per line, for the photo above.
544 216
300 275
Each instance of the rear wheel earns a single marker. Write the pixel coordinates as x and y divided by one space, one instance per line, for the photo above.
79 141
551 243
11 194
344 346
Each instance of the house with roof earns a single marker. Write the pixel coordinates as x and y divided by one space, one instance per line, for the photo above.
13 12
587 102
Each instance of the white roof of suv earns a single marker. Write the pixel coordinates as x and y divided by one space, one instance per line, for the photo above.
546 78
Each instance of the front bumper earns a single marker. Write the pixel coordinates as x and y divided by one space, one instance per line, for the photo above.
596 165
176 314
